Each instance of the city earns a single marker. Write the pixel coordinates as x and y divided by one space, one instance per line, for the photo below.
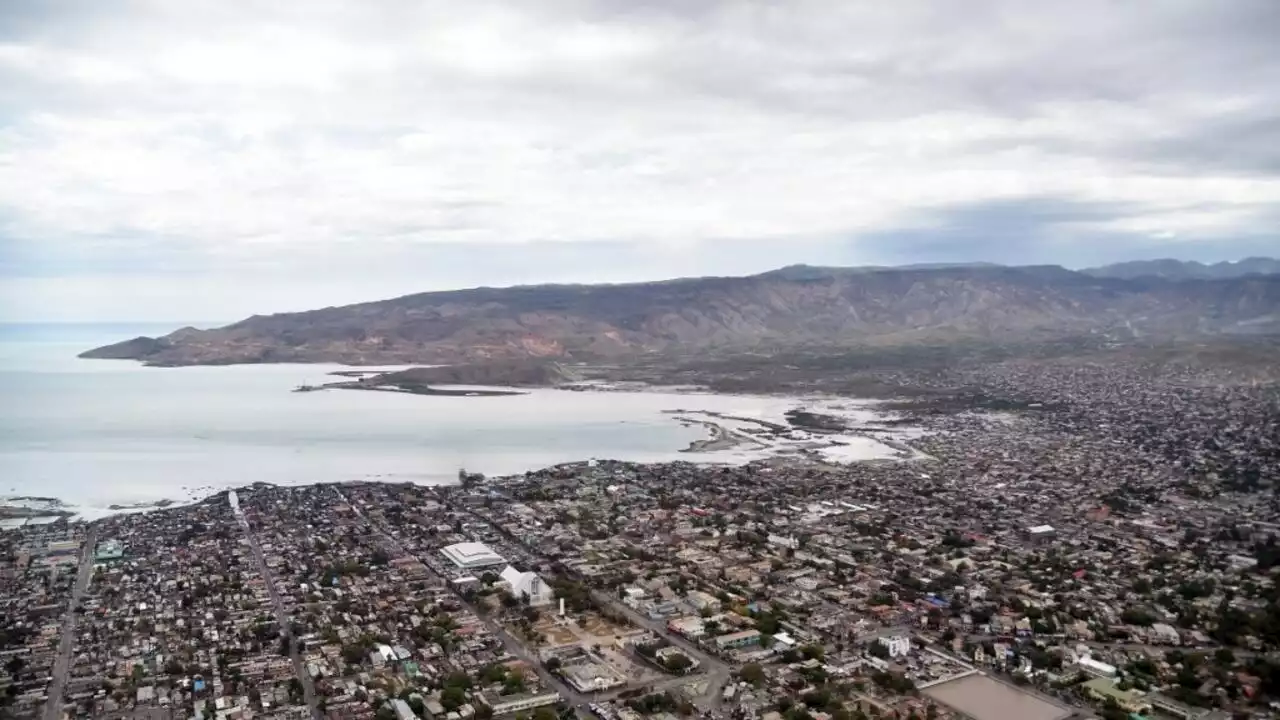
1083 556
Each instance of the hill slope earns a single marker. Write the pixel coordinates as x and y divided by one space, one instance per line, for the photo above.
1183 270
826 306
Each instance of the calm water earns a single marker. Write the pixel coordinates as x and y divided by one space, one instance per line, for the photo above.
96 432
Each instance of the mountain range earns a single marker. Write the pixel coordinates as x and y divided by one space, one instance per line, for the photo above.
1187 270
790 307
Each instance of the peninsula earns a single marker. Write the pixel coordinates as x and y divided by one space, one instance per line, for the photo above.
799 306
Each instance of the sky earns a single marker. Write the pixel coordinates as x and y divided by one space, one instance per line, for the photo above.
213 159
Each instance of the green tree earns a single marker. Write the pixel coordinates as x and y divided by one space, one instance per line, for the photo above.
453 697
677 663
752 673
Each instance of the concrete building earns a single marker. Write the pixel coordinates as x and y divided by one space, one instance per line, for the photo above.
1096 668
784 541
587 675
471 556
528 584
508 704
745 638
1041 533
109 550
690 627
897 645
403 711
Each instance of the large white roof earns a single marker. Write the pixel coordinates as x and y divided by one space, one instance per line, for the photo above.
471 555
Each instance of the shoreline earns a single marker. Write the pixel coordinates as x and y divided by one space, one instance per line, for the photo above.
739 428
407 389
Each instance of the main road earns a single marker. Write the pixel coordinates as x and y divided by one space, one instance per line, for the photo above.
716 671
282 617
514 647
62 663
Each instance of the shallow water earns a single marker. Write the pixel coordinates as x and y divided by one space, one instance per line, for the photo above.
97 432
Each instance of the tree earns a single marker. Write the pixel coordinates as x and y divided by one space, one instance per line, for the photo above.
15 665
453 697
813 652
677 663
514 684
545 713
752 673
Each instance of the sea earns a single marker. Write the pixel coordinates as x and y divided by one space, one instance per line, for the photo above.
94 433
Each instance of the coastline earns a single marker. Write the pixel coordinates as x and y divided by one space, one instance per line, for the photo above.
422 441
731 439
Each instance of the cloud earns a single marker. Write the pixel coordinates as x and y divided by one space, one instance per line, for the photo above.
273 154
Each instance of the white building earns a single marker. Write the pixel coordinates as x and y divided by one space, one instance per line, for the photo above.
471 556
403 711
1041 533
504 705
528 583
784 541
1095 667
897 645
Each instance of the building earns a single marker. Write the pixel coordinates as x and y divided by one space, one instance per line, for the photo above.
897 645
528 584
1095 667
1173 708
508 704
108 550
703 601
403 711
588 676
1102 689
1041 533
471 556
690 627
784 541
746 638
466 583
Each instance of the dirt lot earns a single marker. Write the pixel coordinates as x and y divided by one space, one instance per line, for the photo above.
602 629
982 698
556 634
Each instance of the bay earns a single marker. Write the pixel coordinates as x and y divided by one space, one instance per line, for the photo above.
101 432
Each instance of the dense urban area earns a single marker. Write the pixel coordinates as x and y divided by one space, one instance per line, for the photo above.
1070 540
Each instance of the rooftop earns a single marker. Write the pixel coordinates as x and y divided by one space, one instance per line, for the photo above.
472 555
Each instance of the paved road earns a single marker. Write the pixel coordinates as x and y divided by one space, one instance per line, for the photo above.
513 646
62 663
282 618
715 669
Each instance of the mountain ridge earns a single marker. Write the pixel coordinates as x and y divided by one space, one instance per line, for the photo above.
796 305
1187 269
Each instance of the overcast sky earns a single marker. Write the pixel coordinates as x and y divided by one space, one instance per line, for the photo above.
208 159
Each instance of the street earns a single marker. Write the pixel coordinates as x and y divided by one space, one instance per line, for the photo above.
62 664
716 670
512 646
282 618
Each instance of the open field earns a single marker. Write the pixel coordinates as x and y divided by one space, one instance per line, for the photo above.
982 698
